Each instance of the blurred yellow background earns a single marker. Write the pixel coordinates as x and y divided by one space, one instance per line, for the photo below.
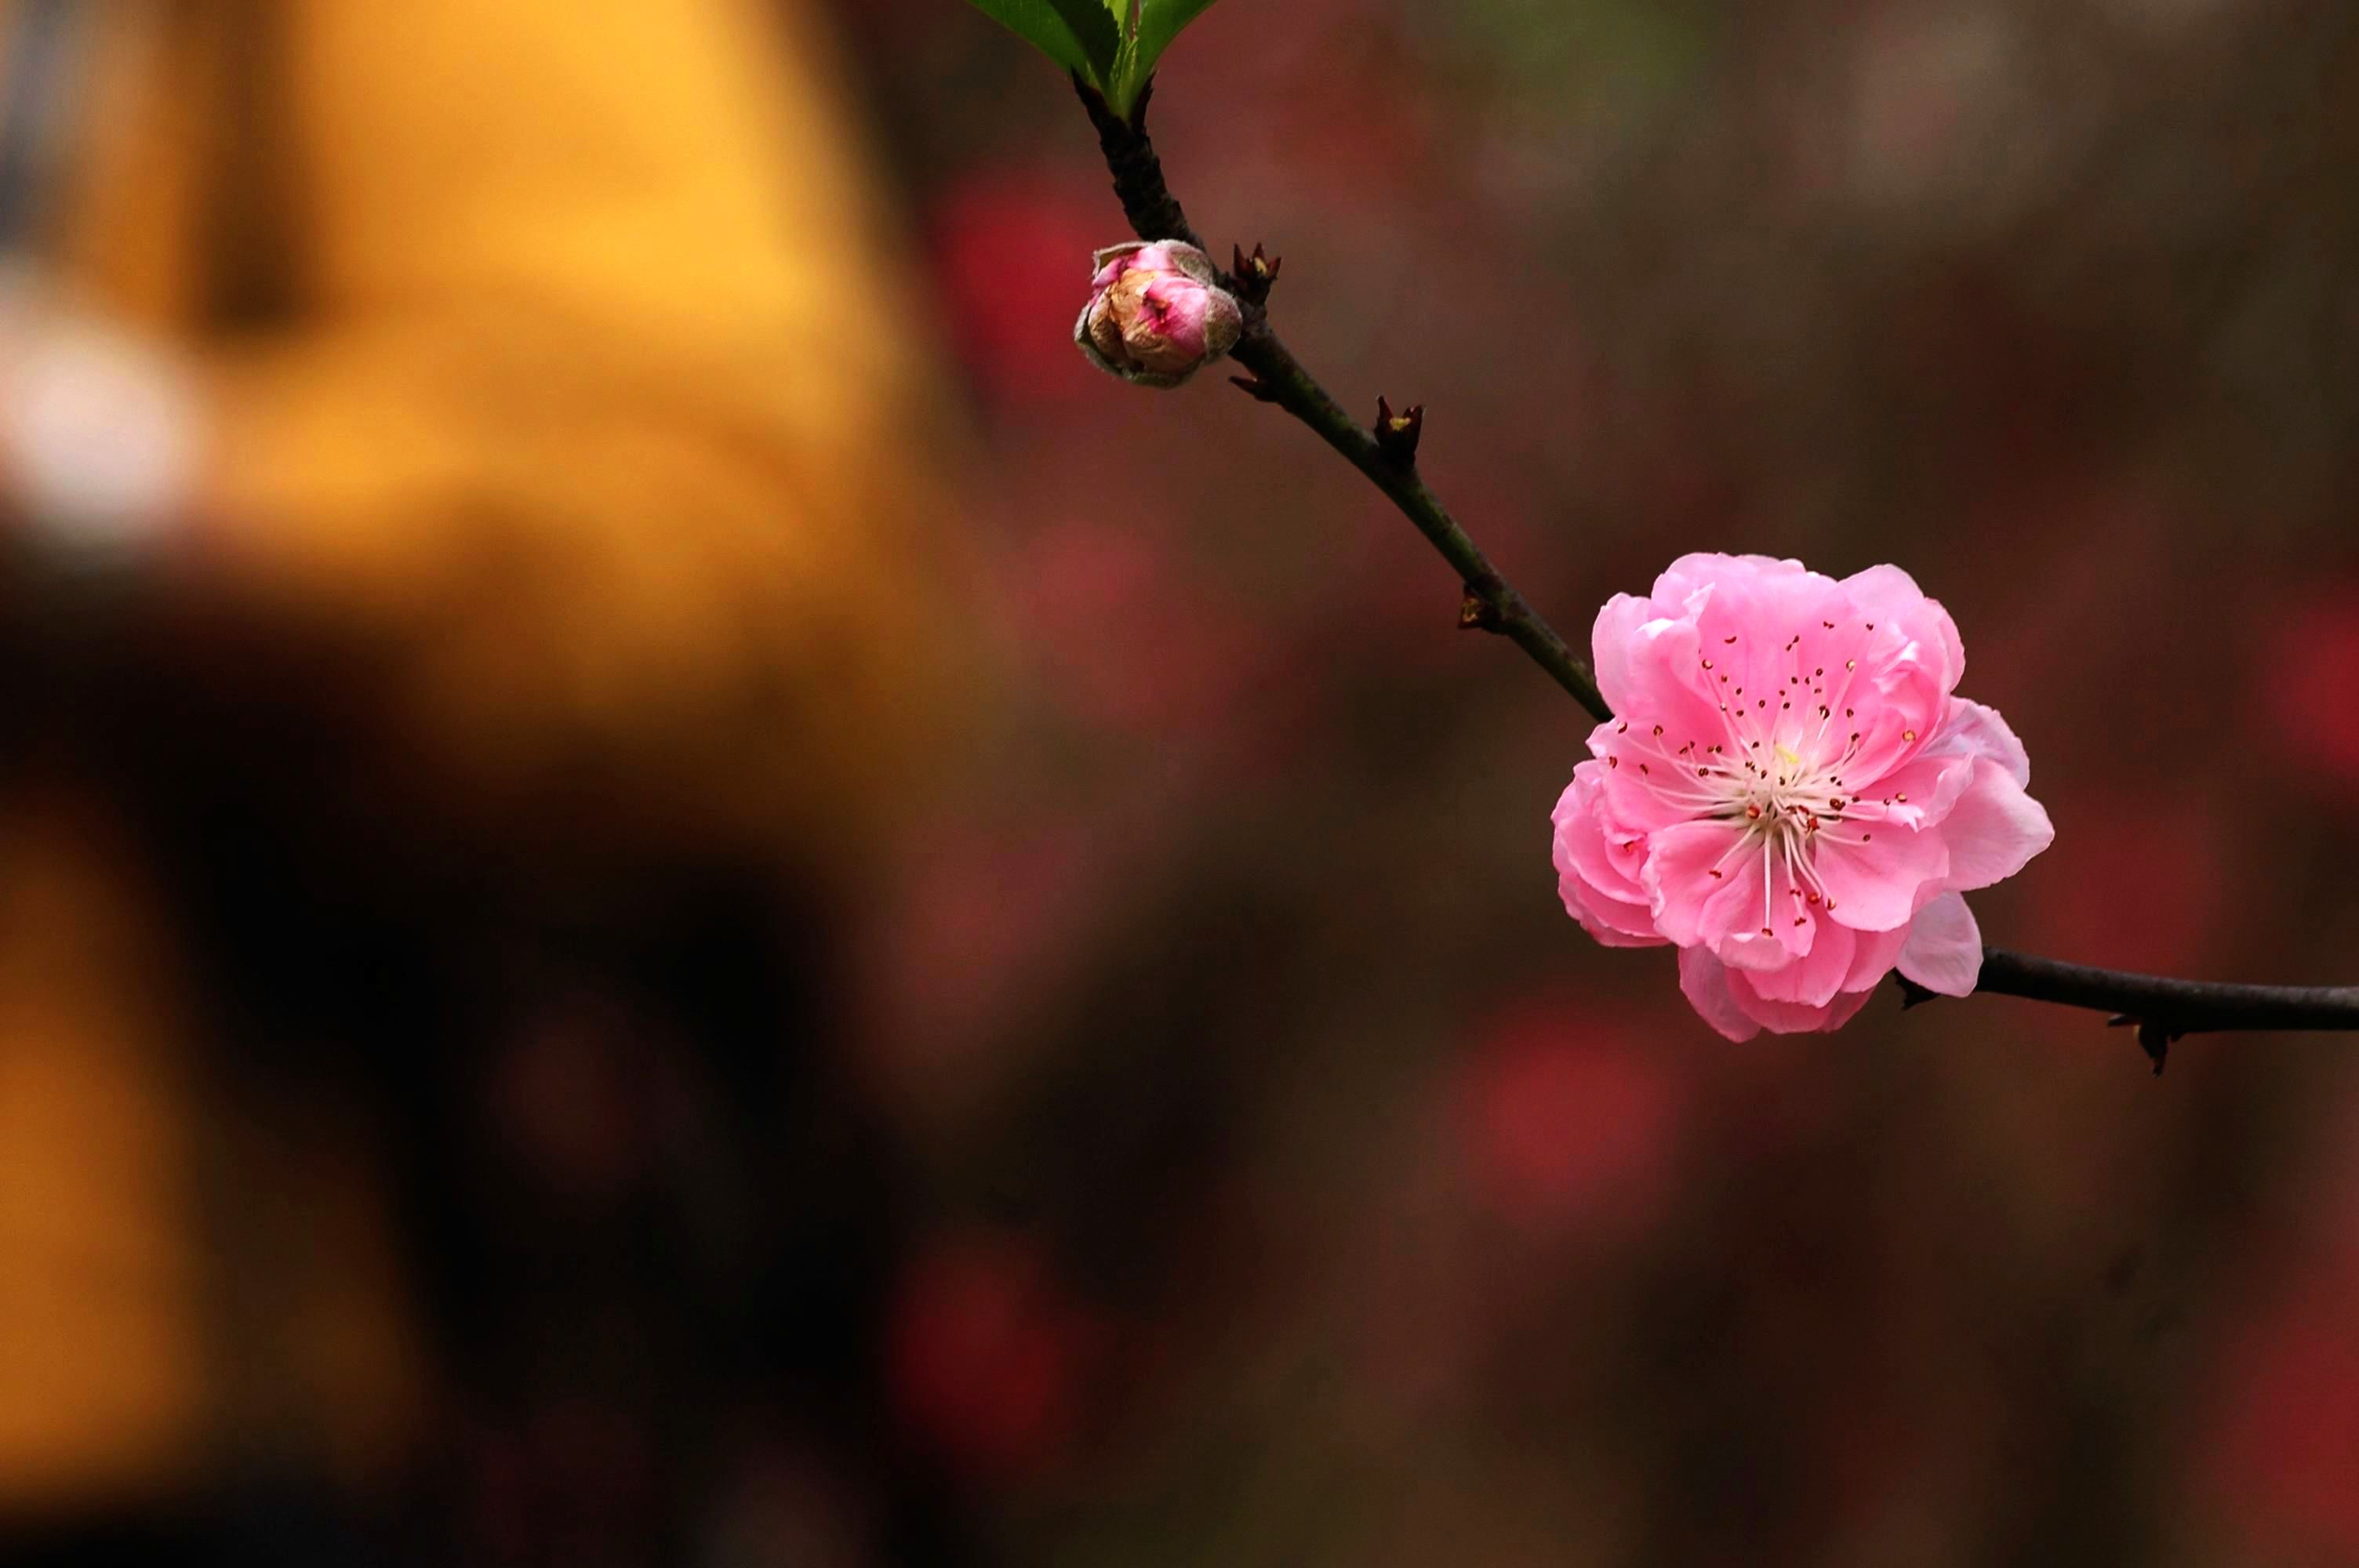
703 902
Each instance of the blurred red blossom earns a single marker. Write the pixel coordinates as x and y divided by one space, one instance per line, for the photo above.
985 1353
2308 671
1011 259
1131 641
982 914
2285 1454
1569 1118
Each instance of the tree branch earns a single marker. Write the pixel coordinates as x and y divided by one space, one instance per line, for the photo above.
2161 1010
1492 603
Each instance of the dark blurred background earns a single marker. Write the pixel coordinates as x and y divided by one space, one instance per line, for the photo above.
1153 1110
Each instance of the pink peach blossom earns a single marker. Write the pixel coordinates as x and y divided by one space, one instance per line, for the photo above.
1790 794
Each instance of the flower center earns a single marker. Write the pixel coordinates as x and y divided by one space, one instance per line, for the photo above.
1774 774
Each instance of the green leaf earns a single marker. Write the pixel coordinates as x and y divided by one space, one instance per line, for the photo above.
1159 22
1083 36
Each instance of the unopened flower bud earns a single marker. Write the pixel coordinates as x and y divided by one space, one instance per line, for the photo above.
1156 313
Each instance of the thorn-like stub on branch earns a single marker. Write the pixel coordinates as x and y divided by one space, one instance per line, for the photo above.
1259 391
1397 434
1911 993
1255 273
2155 1040
1478 611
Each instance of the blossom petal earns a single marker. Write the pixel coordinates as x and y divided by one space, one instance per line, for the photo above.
1793 1018
1944 950
1597 891
1768 927
1899 701
1588 842
1813 979
1920 792
1703 980
1994 829
1691 871
1875 954
1889 596
1651 669
1872 883
1640 784
1610 920
1972 729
